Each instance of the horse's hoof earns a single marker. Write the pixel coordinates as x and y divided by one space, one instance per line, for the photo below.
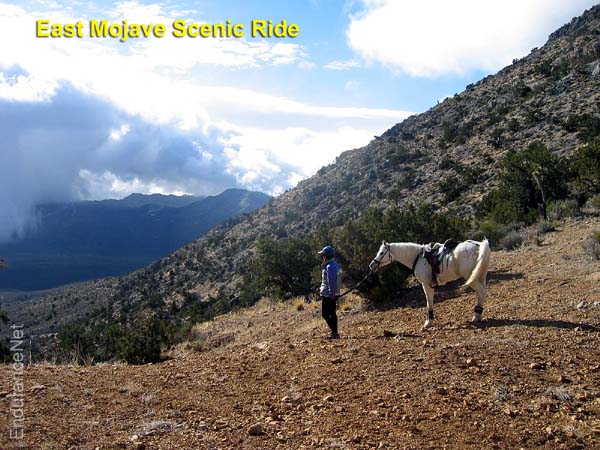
427 324
476 318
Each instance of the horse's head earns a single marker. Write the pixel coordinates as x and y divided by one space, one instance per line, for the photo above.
383 257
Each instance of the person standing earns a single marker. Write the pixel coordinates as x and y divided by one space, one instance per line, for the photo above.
330 289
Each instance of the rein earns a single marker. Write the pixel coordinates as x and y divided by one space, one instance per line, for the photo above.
357 284
371 270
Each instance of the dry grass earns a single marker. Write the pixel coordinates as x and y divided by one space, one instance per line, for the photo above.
298 304
592 245
351 302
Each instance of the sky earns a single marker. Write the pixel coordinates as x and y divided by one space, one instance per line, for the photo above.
94 118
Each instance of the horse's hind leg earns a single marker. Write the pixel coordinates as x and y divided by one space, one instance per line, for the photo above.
480 288
429 293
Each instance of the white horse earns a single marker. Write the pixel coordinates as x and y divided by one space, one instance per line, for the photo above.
469 260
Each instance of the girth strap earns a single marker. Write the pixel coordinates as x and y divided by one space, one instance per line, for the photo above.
415 263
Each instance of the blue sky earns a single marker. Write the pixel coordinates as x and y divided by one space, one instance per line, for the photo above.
96 118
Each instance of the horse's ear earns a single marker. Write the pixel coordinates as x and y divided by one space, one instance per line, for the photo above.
384 242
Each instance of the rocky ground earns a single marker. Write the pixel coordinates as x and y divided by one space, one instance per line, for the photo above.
528 377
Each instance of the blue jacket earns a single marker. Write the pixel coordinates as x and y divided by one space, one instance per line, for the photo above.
330 280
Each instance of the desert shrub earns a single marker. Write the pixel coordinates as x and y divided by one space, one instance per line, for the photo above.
513 125
142 343
497 115
139 342
495 231
451 187
282 267
76 340
529 180
512 240
587 126
447 163
487 229
496 138
533 116
585 166
358 241
561 209
456 134
521 90
544 68
535 233
592 245
544 227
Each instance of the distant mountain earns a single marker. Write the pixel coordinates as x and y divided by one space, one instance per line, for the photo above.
134 200
94 239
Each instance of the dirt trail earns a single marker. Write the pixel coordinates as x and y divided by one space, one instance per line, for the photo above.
529 377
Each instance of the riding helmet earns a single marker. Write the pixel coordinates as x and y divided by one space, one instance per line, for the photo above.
328 251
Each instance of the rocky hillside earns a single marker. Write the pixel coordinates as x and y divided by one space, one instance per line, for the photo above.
447 156
264 378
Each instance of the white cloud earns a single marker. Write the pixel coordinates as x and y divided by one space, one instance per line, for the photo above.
108 185
433 38
133 77
301 151
306 65
26 88
342 65
117 134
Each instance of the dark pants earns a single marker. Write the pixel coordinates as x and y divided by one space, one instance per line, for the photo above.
328 311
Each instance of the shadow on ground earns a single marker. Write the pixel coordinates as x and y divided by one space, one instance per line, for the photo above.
503 275
537 323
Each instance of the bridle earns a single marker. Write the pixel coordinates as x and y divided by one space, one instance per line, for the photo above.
377 262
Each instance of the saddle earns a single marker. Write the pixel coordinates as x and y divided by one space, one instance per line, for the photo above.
434 254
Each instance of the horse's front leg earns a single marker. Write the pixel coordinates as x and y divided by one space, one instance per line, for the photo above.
429 293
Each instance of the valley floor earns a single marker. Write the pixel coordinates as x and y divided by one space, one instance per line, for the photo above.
528 377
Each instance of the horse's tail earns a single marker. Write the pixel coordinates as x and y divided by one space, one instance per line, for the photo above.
483 262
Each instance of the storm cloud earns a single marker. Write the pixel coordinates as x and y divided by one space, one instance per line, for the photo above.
78 146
